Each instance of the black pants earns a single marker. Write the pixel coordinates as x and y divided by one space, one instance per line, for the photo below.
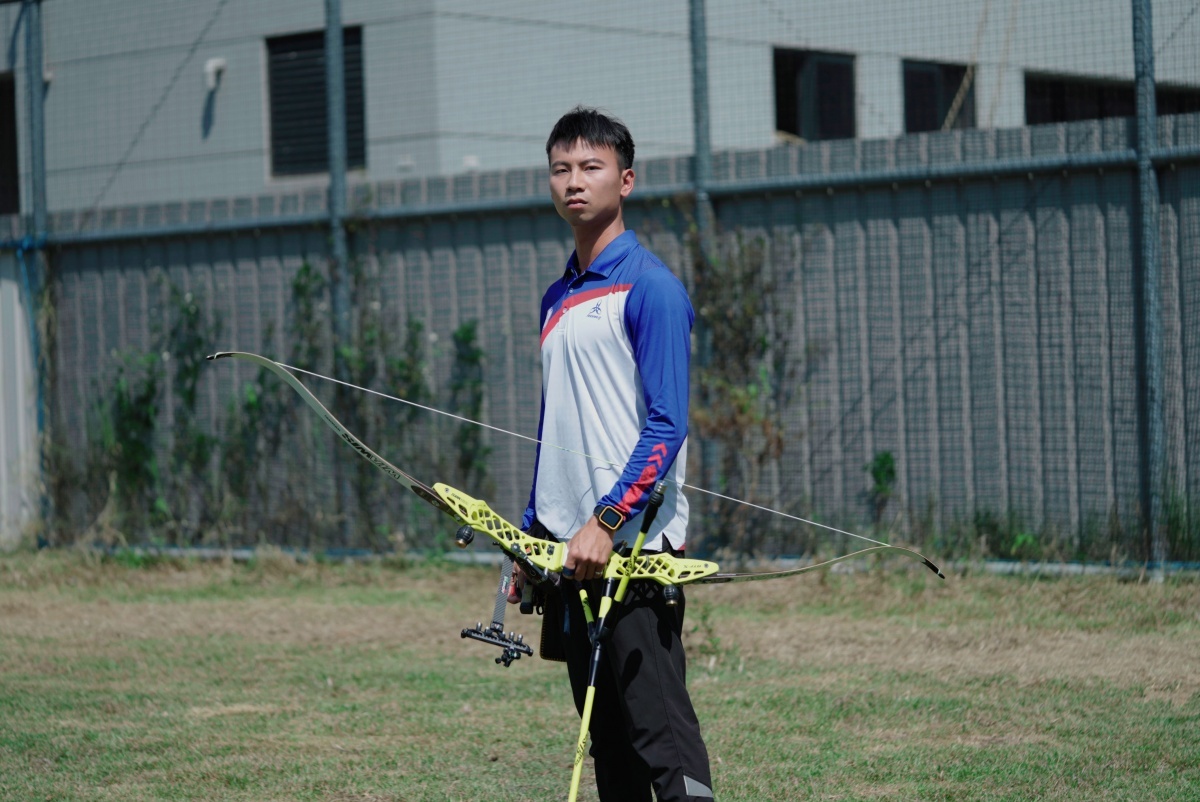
644 731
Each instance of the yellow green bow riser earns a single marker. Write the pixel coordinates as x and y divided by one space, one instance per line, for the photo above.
662 568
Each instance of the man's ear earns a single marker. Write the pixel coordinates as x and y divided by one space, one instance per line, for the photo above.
627 180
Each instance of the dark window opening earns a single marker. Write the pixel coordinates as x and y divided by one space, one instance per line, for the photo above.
10 166
296 82
1066 100
929 93
1054 99
814 94
1172 100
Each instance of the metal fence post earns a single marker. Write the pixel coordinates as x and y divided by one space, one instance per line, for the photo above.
36 228
335 87
1152 425
335 91
37 116
702 142
701 178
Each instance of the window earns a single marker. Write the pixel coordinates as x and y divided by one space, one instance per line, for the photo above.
1050 99
296 82
1054 99
930 91
814 94
1171 100
10 171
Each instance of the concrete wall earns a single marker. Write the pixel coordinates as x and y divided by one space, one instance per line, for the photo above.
982 329
18 409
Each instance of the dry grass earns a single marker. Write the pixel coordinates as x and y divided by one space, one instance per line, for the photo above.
1134 636
282 681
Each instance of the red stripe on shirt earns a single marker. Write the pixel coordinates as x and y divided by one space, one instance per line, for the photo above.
576 300
643 485
645 481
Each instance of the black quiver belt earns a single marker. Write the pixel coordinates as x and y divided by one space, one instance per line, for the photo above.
554 609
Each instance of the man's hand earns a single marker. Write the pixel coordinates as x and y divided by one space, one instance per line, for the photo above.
588 554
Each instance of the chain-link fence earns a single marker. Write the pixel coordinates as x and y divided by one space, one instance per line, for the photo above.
948 291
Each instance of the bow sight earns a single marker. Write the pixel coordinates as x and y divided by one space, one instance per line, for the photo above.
512 644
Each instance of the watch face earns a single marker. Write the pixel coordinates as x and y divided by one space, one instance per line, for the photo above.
610 519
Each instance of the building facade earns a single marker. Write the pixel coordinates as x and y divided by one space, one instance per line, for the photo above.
157 102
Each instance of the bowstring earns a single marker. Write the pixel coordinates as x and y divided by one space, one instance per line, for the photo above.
616 465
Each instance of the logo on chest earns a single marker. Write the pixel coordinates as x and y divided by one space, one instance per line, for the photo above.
594 314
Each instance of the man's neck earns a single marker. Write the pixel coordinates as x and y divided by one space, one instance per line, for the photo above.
589 243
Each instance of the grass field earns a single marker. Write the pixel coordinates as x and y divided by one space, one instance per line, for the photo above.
278 681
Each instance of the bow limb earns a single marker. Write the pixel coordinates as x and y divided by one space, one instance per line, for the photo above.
417 486
751 577
536 556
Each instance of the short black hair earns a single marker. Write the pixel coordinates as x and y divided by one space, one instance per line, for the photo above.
596 129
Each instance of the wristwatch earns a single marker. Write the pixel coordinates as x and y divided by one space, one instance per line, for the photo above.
609 517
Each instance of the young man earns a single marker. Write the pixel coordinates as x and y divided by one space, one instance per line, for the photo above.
615 346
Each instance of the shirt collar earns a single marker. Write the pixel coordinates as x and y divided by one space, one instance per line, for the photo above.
612 254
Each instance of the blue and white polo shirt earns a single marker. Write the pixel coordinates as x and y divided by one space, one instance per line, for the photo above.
616 343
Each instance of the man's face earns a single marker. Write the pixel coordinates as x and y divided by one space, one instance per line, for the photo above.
587 184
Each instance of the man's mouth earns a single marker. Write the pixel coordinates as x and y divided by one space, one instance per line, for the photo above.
575 203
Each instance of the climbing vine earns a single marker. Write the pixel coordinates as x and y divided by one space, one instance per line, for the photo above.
162 466
466 399
744 381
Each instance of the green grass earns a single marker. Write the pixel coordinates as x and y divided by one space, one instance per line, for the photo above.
277 681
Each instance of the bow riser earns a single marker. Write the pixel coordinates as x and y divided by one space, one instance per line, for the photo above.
549 556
